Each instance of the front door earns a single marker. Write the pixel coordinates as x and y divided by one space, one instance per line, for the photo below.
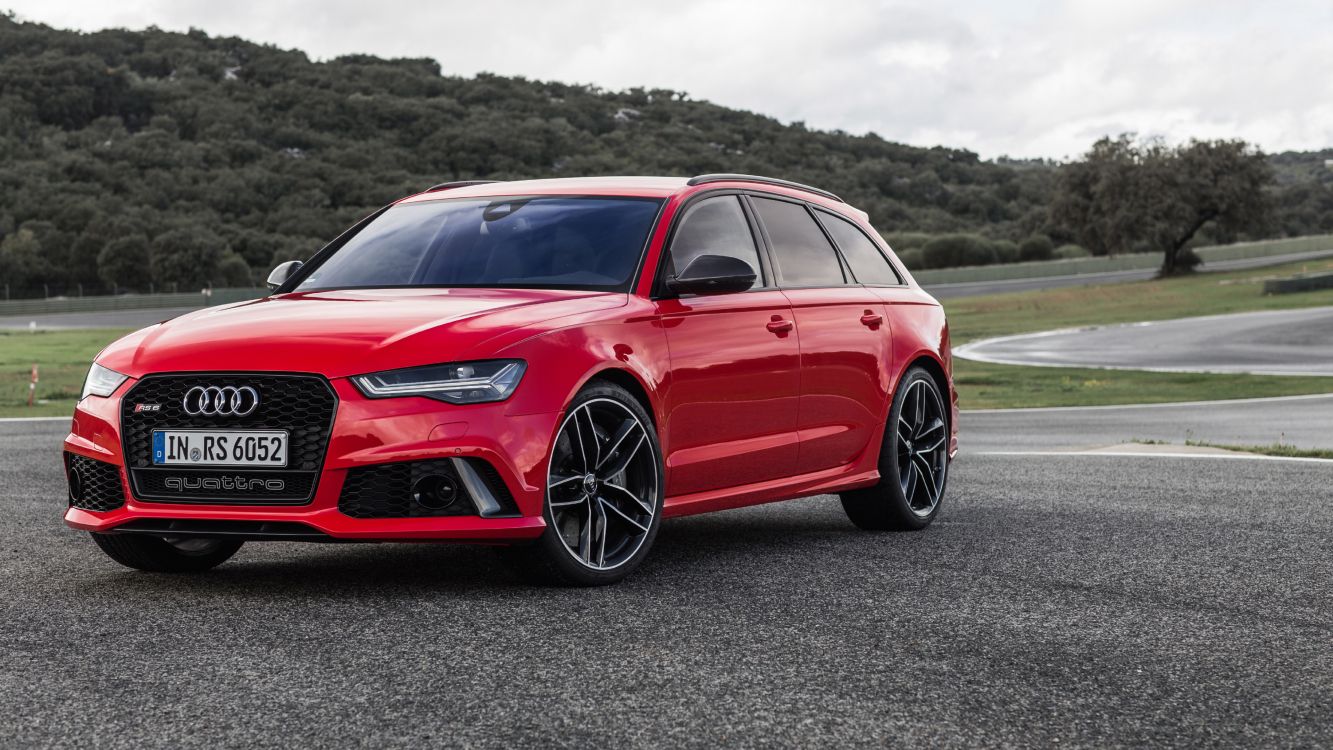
732 399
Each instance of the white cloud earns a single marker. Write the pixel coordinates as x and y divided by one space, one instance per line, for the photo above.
1042 78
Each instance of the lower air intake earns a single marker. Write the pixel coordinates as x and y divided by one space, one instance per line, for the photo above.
93 485
416 489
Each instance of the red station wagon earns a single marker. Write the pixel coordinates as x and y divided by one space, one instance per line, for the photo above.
551 365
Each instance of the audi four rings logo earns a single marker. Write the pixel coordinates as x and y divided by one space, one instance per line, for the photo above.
225 401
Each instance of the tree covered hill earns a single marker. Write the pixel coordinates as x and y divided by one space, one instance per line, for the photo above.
131 158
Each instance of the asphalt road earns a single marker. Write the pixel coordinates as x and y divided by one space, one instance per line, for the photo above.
1071 600
977 288
1276 342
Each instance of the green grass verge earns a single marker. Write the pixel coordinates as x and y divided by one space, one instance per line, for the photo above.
62 358
982 385
989 386
1201 294
1272 449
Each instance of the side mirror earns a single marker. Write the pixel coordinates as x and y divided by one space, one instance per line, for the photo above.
283 272
713 274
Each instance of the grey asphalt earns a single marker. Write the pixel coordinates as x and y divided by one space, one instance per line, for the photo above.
1080 601
977 288
1276 342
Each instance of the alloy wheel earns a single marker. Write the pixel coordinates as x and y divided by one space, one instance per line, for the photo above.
922 447
602 484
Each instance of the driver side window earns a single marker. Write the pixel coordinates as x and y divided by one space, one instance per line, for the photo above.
714 226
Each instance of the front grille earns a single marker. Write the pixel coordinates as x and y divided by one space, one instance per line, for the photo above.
385 490
93 485
303 405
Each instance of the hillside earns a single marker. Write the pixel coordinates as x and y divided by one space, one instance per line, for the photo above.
138 158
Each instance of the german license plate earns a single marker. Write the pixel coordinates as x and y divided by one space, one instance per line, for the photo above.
220 448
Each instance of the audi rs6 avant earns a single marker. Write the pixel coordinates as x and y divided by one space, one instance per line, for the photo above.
550 366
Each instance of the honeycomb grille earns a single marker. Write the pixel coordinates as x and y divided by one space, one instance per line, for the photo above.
99 487
385 491
303 405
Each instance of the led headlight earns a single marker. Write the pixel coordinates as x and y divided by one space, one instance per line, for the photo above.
456 383
101 381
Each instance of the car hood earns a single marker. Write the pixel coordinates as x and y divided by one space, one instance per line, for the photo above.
341 333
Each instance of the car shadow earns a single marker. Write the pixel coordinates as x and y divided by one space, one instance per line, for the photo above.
749 541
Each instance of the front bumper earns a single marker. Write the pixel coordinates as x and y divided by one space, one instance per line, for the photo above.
365 433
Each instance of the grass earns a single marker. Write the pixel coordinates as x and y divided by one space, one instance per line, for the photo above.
989 386
1201 294
982 385
62 358
1272 449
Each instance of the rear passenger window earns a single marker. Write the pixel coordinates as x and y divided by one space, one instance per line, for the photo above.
715 226
803 254
869 265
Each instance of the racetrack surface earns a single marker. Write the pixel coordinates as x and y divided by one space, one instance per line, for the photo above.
978 288
1078 600
1271 342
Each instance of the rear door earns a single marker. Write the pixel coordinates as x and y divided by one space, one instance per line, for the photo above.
732 400
844 337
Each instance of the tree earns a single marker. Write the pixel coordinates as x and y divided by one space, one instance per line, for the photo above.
1126 194
186 258
124 263
1209 183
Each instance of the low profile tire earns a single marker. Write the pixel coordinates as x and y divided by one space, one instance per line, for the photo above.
157 555
604 492
913 461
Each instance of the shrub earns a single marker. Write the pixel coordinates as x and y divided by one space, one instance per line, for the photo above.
1036 247
912 258
1005 251
952 250
1071 251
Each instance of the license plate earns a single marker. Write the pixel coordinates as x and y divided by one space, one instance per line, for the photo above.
220 448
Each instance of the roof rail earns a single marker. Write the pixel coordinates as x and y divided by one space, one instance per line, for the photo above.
458 184
704 179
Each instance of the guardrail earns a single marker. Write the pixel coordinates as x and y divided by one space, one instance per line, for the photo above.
128 301
1133 262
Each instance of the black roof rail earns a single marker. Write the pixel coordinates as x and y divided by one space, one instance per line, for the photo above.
459 184
704 179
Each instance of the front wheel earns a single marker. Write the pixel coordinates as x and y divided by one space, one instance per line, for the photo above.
913 461
604 492
166 555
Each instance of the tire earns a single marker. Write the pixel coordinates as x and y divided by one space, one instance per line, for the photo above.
621 506
902 501
158 555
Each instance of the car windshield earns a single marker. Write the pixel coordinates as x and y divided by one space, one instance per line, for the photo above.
525 242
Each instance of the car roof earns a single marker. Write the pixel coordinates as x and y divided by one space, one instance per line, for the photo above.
650 187
642 186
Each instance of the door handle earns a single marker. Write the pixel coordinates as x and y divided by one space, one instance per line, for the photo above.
778 325
871 319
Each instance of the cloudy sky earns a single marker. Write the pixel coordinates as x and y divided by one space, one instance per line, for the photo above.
1039 78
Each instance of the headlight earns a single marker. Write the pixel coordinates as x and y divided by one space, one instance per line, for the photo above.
457 383
101 381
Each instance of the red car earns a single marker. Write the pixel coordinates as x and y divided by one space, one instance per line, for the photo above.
553 366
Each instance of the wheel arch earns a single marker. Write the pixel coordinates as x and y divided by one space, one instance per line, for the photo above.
628 380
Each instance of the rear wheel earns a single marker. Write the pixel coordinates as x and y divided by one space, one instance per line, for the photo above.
913 461
166 555
604 492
